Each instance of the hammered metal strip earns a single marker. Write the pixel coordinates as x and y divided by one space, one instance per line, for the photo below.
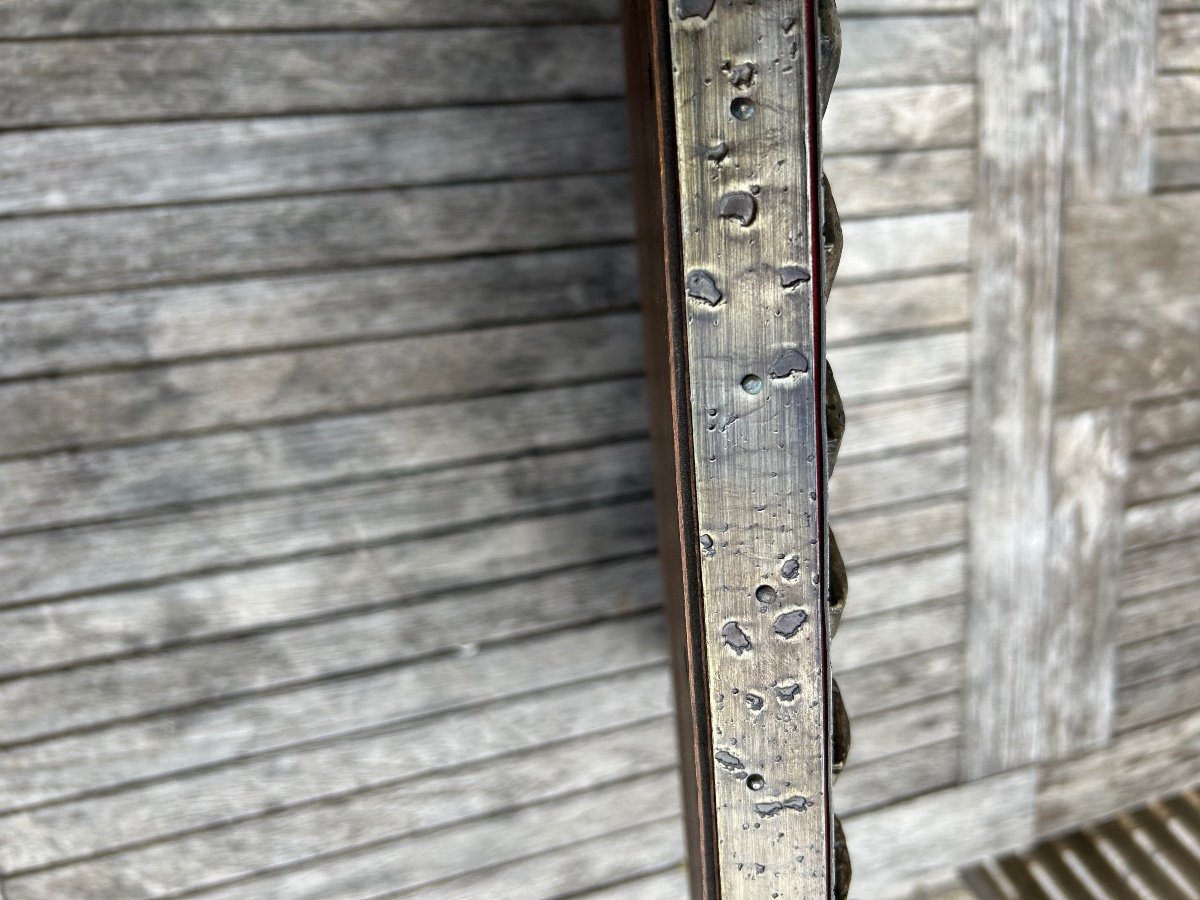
754 254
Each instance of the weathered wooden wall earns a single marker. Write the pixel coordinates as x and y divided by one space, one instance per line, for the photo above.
327 556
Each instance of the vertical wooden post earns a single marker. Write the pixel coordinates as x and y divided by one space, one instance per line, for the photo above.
734 249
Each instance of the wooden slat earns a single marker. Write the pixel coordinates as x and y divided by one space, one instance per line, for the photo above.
1179 41
888 636
896 183
886 734
872 537
890 586
91 695
156 746
910 421
1130 327
908 477
887 50
1160 521
1177 161
91 557
130 248
172 162
66 334
246 600
921 770
67 831
145 78
1166 655
901 681
1149 616
1167 422
1151 702
1178 102
884 307
900 245
1158 567
66 487
1173 471
939 831
928 363
1152 761
126 405
669 885
900 118
532 831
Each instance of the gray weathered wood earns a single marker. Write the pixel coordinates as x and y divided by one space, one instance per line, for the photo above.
54 18
939 831
1178 40
906 422
1130 318
910 304
882 782
1178 102
1023 101
1162 521
886 50
129 248
1163 656
913 476
888 184
1166 422
1147 617
1150 702
1173 471
876 536
1156 568
903 245
1152 761
248 599
147 78
172 162
66 334
64 832
1177 161
892 585
121 406
1111 120
1082 583
901 680
900 118
894 635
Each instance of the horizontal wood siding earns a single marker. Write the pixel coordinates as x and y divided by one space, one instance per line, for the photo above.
326 551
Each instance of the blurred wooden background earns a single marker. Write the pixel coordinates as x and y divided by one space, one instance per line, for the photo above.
326 554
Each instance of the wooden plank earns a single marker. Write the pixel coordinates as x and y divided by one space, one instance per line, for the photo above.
1160 521
927 363
1177 161
412 634
910 421
1082 582
903 182
131 79
884 7
424 859
897 682
877 536
57 835
889 586
1178 102
900 118
903 245
887 734
622 854
67 334
1166 655
898 844
130 248
668 885
890 50
246 600
912 476
1172 471
78 486
1154 614
173 162
248 789
1158 567
888 636
921 770
1130 328
1165 422
125 406
887 307
1110 127
90 557
1150 702
1153 761
259 723
1023 87
1178 38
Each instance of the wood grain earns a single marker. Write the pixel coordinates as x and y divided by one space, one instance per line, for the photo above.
130 79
